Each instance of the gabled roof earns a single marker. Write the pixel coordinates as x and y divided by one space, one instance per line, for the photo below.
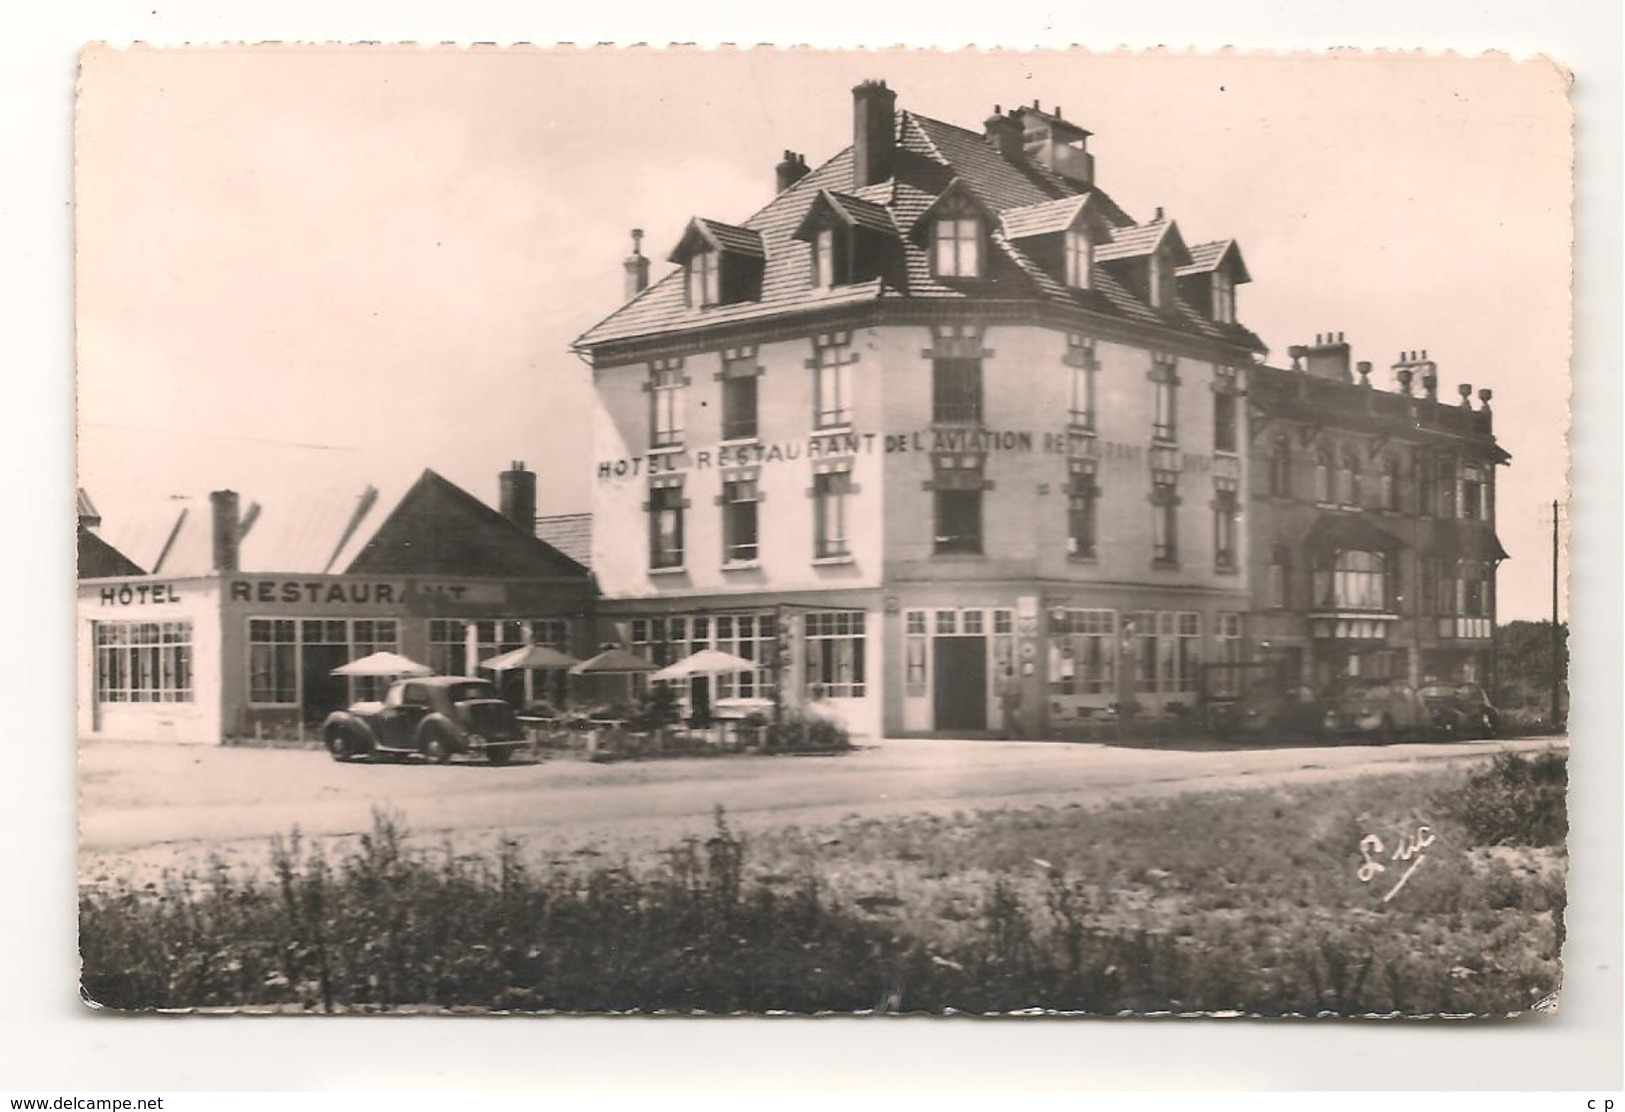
334 531
718 237
854 212
957 189
1049 217
571 534
1208 256
1144 239
100 560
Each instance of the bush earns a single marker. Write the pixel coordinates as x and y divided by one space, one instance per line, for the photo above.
1516 801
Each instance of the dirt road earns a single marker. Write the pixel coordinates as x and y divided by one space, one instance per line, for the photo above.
146 803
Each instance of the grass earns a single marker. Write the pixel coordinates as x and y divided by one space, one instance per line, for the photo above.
1239 901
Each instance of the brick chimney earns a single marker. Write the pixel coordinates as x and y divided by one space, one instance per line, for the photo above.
1005 133
226 529
636 266
789 171
518 496
1328 358
874 133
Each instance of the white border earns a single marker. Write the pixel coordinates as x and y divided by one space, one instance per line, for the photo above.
50 1042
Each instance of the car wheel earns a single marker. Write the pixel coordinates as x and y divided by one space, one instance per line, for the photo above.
338 744
435 749
498 754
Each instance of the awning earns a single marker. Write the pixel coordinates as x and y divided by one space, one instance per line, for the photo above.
1333 532
612 662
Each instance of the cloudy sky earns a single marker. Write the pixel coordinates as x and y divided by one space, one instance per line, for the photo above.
305 266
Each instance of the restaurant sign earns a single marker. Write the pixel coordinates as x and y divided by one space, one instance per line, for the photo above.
359 592
824 446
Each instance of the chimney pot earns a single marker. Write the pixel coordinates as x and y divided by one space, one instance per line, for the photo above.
789 171
1465 389
636 266
1404 374
1484 395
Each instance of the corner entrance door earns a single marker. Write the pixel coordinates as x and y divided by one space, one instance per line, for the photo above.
961 683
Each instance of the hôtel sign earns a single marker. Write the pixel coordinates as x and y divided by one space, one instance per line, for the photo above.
1070 443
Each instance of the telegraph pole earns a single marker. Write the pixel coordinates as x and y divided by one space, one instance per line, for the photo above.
1557 672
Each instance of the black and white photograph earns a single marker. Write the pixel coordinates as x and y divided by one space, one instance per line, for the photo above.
789 532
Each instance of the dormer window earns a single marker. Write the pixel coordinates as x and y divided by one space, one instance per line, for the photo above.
1079 259
957 247
1160 281
704 279
722 263
824 258
1224 298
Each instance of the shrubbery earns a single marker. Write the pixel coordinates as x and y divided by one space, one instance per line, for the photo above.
1234 901
1516 801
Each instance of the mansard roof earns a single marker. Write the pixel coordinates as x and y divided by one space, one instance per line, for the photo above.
934 161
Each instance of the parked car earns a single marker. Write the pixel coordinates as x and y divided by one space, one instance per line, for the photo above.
1289 712
437 717
1384 709
1460 710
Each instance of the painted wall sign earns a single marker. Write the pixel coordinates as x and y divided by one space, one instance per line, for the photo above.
286 592
918 441
139 594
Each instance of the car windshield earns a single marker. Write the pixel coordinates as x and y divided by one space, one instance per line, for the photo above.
463 692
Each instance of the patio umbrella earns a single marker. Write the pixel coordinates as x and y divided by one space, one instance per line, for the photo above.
383 664
706 662
531 657
612 662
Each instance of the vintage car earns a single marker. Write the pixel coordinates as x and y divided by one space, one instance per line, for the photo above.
1460 710
1380 708
435 717
1290 712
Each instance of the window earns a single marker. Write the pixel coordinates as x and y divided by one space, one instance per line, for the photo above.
1080 357
1390 483
1446 594
1475 595
1224 297
666 527
1167 647
957 247
738 406
1429 573
739 500
666 393
1472 493
1187 651
914 673
368 636
1447 488
1165 380
1164 522
956 390
145 662
1323 477
1359 581
1224 422
448 646
1083 652
1227 638
754 637
1427 486
1225 512
835 652
1280 473
1082 503
832 491
1079 259
1280 577
704 279
832 381
959 521
824 258
273 661
1352 481
1157 281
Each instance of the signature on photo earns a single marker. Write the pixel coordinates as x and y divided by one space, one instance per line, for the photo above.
1409 847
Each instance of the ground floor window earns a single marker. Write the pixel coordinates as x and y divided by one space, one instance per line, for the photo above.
666 640
448 646
144 662
1083 656
835 652
1227 652
1167 646
273 661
